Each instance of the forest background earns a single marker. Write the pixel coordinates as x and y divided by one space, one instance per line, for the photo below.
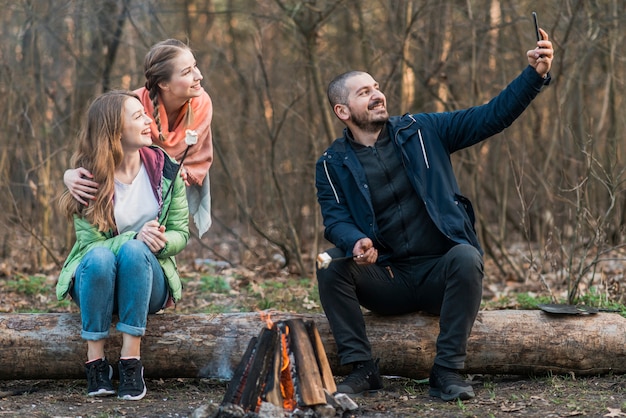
550 187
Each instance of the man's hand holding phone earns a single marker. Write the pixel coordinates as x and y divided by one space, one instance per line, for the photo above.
540 58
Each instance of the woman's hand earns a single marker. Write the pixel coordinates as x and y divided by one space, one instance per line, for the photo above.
184 175
78 184
153 234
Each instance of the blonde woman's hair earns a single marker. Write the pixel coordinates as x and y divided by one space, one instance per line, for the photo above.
158 68
99 151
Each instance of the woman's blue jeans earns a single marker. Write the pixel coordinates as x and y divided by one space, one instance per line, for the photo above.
131 284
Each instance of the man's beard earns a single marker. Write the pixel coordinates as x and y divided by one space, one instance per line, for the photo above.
368 125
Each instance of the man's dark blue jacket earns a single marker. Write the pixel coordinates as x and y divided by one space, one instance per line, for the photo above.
425 142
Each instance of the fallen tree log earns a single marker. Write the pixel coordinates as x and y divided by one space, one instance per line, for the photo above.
48 346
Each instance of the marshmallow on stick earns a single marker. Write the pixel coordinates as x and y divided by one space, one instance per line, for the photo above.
323 260
191 137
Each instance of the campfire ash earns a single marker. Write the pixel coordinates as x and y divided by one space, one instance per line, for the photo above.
283 373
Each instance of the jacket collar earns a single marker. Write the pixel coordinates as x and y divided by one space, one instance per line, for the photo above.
153 159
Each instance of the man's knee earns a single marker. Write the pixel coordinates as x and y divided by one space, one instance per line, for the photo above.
466 256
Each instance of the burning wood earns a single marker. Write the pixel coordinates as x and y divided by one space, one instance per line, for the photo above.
285 370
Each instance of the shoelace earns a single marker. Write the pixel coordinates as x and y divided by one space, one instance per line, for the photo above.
361 374
130 375
101 370
447 378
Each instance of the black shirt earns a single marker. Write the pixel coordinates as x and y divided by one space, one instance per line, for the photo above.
404 224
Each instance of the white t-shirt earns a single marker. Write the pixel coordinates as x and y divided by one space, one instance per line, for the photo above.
135 203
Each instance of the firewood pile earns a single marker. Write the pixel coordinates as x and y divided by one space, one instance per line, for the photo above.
283 373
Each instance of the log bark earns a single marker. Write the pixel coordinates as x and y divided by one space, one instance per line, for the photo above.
48 346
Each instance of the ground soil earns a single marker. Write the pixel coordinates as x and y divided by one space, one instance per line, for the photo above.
496 396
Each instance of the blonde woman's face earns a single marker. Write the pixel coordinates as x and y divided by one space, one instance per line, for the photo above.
185 82
136 130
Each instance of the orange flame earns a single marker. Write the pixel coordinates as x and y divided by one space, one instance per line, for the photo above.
286 383
287 388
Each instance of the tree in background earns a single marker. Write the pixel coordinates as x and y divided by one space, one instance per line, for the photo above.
557 187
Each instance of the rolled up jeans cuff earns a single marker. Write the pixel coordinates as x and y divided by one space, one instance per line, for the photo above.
130 330
93 336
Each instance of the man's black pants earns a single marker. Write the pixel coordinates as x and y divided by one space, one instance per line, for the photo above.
449 286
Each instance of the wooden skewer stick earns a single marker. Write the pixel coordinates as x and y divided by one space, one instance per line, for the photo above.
324 259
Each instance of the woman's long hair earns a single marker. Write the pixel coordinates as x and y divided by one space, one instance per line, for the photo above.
158 68
99 151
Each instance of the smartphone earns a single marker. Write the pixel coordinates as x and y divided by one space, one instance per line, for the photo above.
537 33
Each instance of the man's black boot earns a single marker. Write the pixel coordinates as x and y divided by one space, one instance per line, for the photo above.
365 377
448 385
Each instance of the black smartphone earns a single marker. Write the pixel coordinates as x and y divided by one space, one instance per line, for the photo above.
537 33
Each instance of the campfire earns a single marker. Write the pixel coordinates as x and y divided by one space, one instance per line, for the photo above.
284 372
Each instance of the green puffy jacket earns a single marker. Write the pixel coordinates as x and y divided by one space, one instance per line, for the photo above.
162 170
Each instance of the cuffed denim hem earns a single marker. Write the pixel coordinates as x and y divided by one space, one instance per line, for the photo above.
94 336
130 330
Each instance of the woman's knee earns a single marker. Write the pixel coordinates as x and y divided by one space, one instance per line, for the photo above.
98 261
134 248
95 274
99 253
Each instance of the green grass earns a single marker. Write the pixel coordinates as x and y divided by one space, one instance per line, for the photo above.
292 294
592 299
412 387
29 285
490 387
216 309
214 284
598 300
233 293
526 301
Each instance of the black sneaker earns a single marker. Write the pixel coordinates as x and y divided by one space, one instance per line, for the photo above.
448 385
99 373
364 377
132 386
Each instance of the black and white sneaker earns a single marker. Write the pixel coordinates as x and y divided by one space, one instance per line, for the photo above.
132 386
99 373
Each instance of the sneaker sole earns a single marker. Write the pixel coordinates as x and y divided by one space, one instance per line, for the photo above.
101 392
363 393
134 398
464 396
